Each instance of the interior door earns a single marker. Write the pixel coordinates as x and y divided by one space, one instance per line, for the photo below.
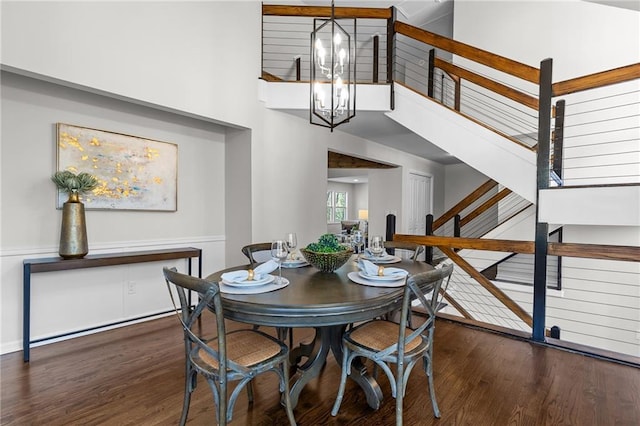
419 203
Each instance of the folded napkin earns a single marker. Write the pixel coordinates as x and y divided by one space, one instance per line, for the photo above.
371 269
240 276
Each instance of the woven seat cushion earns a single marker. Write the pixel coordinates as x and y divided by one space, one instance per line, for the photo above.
379 335
244 347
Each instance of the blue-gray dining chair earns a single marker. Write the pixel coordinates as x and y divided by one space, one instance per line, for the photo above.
238 355
386 342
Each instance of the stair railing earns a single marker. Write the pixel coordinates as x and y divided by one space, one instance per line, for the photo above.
468 306
479 212
596 139
421 55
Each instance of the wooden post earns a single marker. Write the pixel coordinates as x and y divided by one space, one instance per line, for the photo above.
376 56
456 226
298 68
542 229
558 140
391 46
428 250
391 229
391 49
432 70
457 94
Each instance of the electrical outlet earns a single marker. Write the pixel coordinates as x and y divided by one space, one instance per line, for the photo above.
131 287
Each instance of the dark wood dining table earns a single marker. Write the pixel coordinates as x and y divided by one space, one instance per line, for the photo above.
325 301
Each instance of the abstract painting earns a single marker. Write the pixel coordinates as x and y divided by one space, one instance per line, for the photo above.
134 173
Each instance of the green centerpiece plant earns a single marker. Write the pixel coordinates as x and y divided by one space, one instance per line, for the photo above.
327 254
73 233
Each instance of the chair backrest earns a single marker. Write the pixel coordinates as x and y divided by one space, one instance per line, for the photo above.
418 287
257 252
209 298
349 225
414 250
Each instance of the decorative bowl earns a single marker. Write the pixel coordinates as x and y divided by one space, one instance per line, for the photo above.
327 262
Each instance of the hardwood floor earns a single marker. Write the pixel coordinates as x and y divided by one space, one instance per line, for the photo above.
134 376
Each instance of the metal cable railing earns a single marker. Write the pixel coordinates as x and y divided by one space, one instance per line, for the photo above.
600 139
286 47
482 305
411 63
489 219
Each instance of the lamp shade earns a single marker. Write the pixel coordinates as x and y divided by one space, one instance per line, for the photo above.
363 214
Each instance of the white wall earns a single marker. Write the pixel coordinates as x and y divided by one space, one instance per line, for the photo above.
581 37
461 180
169 53
30 222
361 191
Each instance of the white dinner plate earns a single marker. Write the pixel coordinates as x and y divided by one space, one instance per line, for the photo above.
265 288
356 278
297 263
381 277
253 283
384 259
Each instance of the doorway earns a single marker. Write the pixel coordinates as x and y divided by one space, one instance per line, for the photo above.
419 203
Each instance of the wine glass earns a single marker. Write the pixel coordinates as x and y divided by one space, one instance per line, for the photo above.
292 242
376 245
279 251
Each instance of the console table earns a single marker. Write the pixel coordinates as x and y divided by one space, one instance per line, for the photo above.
49 264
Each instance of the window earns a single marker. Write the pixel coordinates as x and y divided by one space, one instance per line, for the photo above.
336 206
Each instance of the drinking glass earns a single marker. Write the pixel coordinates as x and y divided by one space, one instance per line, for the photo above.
357 240
292 242
279 251
376 245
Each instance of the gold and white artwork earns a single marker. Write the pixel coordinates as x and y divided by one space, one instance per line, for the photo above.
134 173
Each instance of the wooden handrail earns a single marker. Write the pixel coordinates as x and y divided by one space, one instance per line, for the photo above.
589 251
599 79
500 63
485 206
270 77
464 203
325 11
494 86
511 246
595 251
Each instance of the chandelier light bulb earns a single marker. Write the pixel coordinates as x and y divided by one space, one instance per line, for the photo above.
342 55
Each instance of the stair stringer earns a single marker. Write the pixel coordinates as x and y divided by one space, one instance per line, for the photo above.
497 157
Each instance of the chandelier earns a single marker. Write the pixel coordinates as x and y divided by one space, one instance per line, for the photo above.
333 69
